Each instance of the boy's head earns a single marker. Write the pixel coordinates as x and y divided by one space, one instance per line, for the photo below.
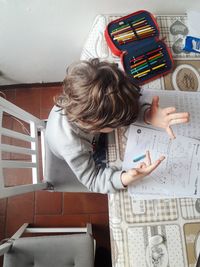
98 95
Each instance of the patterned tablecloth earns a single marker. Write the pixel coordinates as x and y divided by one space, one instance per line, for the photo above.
134 222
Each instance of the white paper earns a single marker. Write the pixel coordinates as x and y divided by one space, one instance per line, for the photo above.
183 102
193 23
177 176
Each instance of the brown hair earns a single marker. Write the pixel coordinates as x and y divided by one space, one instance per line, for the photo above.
98 95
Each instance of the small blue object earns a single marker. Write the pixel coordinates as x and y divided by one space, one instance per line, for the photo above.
192 44
139 158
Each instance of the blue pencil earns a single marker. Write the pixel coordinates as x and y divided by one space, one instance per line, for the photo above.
139 158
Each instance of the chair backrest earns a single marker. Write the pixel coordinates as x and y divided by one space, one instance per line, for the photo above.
20 150
77 249
25 151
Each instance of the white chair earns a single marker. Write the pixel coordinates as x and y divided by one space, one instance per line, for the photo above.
52 250
57 176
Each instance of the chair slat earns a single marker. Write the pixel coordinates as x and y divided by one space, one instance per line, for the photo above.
17 149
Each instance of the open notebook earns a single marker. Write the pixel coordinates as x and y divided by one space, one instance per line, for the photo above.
179 174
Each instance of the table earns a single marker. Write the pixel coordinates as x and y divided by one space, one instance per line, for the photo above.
134 222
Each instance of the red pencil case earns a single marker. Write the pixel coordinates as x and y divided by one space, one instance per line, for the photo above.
135 39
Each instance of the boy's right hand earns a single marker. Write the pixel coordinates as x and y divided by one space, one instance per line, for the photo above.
144 169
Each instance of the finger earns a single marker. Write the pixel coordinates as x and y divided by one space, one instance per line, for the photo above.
148 158
169 110
142 165
178 121
170 132
154 165
181 115
155 103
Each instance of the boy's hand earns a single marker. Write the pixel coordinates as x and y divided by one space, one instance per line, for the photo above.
144 169
165 117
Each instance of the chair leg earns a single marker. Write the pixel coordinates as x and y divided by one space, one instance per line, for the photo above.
8 242
20 231
89 228
89 231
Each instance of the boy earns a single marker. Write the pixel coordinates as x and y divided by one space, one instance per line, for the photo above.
98 98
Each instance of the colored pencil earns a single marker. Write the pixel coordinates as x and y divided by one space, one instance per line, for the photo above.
144 60
123 36
120 27
121 30
135 39
138 38
157 56
149 70
138 20
139 158
161 65
139 24
143 24
144 30
142 27
151 60
148 53
146 65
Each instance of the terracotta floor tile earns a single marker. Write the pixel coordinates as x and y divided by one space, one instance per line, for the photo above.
29 100
3 205
76 220
7 122
48 202
9 94
85 203
47 102
44 114
2 227
20 209
47 95
20 176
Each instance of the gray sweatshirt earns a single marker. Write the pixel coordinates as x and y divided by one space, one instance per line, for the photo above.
70 143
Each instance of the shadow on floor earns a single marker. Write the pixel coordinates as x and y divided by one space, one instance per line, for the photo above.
103 257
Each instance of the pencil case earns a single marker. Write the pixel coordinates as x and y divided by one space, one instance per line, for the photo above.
135 39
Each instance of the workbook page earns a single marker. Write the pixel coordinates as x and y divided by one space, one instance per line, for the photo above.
178 175
183 102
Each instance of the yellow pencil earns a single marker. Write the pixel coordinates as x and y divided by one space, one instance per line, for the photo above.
145 30
141 73
142 21
124 36
121 33
159 66
146 71
143 27
122 29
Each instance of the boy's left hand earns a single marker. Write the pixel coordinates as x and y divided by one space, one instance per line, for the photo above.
165 117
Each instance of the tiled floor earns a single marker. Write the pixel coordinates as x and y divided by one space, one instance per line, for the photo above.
52 209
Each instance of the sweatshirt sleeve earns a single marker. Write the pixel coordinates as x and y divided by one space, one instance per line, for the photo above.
96 179
69 143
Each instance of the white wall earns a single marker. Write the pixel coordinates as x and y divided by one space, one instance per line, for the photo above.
39 38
